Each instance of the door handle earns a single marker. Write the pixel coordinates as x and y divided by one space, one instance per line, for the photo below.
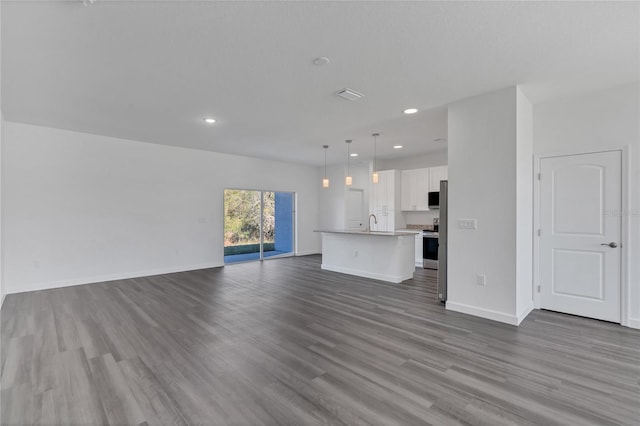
611 244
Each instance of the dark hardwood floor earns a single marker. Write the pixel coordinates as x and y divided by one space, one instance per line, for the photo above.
283 342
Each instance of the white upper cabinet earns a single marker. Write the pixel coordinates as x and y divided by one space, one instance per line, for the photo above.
436 174
416 185
422 189
407 199
415 190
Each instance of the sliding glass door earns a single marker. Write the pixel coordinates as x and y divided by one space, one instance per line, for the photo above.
257 224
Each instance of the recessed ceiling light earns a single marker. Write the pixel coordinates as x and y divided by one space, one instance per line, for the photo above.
397 146
209 120
410 111
354 154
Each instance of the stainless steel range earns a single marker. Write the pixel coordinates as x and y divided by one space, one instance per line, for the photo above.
430 249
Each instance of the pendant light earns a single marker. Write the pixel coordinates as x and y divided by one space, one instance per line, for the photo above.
374 175
325 179
348 180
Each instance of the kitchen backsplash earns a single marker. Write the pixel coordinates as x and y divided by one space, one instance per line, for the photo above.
415 226
423 226
421 218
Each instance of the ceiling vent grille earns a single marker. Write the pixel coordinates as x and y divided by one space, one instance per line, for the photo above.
349 94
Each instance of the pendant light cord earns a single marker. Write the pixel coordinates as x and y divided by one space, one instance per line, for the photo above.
325 159
375 149
348 155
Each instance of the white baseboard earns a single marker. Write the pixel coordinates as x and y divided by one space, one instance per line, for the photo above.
103 278
484 313
524 313
634 323
360 273
307 253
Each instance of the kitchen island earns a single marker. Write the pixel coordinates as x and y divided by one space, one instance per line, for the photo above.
386 256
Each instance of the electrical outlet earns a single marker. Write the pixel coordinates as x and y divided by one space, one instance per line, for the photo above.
482 280
467 223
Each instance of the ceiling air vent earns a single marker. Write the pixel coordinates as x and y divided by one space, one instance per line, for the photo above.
349 94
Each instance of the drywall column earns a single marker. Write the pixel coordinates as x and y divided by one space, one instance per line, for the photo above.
1 139
489 154
2 292
524 206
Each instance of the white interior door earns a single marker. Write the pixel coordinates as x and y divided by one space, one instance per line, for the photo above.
355 208
580 201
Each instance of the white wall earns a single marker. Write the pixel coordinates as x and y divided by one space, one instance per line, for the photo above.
432 159
606 119
484 150
332 206
82 208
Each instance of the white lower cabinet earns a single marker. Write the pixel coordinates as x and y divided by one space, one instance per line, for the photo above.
419 250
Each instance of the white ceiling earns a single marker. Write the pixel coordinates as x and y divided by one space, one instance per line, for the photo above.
150 70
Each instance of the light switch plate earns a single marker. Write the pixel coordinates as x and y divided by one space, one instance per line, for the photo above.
467 224
482 280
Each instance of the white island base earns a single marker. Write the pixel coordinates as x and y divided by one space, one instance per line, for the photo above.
386 256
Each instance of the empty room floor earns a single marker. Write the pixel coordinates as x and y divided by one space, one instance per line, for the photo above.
283 342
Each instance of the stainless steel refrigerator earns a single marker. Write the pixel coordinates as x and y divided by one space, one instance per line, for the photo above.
443 232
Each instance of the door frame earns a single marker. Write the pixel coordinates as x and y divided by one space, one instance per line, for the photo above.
625 260
294 243
346 205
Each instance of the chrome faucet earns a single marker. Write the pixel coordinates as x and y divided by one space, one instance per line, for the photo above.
375 220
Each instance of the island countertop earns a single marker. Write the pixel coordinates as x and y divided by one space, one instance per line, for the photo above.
374 233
